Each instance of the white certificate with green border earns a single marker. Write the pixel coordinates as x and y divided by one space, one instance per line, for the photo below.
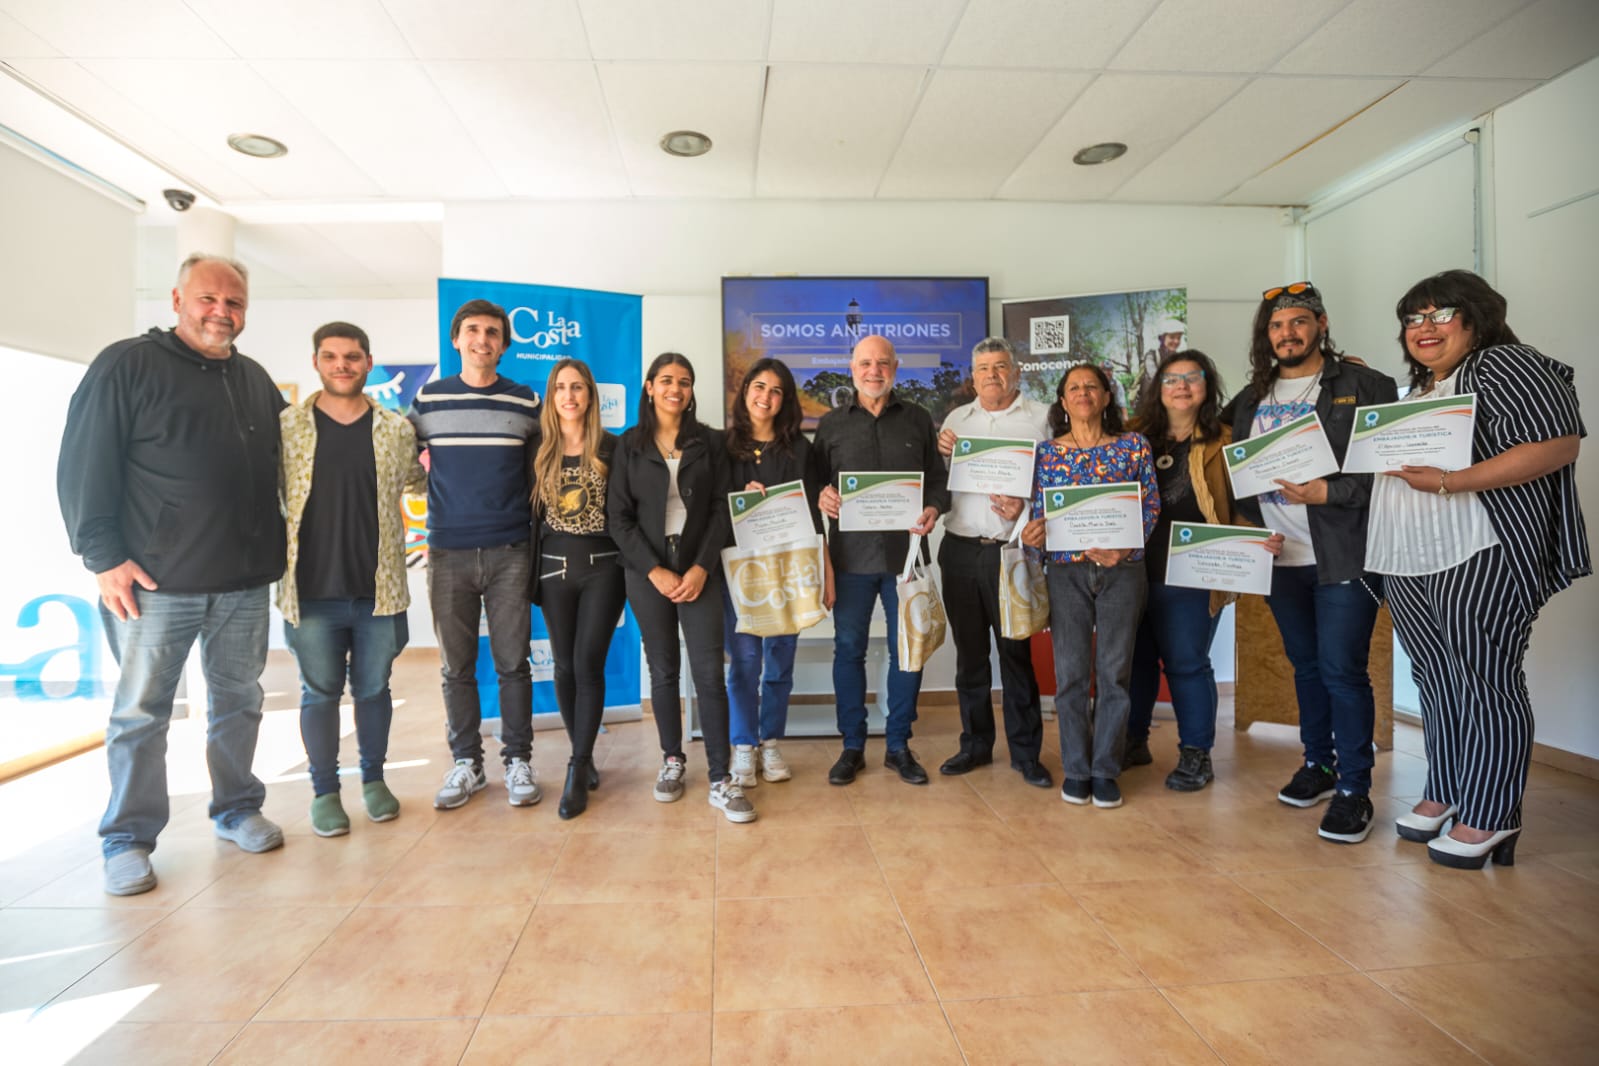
1001 466
1295 451
1079 517
776 518
878 500
1226 558
1432 432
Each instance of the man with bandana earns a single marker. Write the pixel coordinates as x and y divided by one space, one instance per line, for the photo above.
1324 602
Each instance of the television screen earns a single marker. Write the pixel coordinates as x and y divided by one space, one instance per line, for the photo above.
812 324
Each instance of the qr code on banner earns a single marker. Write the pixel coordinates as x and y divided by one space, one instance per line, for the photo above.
1049 336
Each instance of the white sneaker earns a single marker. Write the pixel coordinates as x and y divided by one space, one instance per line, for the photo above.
729 798
669 782
521 786
773 768
460 782
743 769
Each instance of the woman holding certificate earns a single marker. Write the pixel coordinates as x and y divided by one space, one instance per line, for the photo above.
1473 554
764 448
1094 547
667 507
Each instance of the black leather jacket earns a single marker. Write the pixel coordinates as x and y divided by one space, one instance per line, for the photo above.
635 501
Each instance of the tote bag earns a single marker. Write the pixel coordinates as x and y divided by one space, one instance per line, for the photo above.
776 591
1023 591
921 614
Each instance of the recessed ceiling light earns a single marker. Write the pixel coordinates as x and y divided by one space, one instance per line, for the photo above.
686 143
1099 153
254 144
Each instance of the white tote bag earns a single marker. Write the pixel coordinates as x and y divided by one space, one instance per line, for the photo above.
921 613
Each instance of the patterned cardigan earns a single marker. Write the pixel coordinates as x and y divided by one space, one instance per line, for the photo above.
394 447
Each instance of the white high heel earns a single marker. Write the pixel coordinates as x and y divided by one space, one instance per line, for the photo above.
1419 827
1447 851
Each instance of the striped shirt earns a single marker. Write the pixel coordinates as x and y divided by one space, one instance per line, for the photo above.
480 443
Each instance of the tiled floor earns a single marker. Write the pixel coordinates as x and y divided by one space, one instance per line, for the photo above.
976 920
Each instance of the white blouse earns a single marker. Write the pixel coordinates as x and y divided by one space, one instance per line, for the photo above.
676 511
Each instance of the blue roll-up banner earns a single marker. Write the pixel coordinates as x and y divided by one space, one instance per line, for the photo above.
550 323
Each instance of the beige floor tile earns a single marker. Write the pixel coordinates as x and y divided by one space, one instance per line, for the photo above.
836 951
1537 1012
610 958
801 801
834 1036
309 871
45 951
1080 846
1202 929
394 962
1317 1021
1376 919
394 1042
1398 773
210 965
929 857
1268 835
488 812
626 800
463 869
28 869
1015 940
620 866
1550 910
153 1043
1088 1029
880 797
184 867
593 1040
805 860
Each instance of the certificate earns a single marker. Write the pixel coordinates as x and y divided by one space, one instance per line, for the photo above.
1228 558
1434 432
1296 451
776 518
879 500
1003 466
1079 517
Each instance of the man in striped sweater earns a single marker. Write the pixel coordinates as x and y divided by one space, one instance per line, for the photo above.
480 431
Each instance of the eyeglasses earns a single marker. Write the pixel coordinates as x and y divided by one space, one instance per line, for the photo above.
1292 290
1171 381
1440 317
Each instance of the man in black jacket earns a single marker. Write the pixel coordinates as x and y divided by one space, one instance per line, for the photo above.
168 484
1323 600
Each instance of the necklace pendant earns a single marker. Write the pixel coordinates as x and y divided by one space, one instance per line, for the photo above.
1164 462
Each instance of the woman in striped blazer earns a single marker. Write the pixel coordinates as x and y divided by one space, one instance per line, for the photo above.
1473 554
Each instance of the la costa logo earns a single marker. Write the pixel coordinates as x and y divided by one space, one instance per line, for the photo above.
548 331
966 446
850 483
1239 452
1371 418
1185 535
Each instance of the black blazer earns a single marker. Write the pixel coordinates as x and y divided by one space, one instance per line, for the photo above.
635 501
607 455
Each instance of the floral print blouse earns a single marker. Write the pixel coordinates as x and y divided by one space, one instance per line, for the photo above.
1126 458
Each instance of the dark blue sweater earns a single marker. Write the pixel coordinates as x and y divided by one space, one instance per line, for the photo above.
481 442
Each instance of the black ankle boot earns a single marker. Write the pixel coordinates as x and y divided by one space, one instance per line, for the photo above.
575 797
594 775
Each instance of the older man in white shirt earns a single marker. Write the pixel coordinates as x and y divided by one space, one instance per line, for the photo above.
975 529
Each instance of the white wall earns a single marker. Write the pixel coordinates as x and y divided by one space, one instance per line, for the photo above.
66 275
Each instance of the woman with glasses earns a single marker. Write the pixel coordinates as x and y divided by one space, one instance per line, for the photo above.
1473 554
1180 415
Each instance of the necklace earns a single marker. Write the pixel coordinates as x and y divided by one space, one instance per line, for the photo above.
1304 394
668 451
757 447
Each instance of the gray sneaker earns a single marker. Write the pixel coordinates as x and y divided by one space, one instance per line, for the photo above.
460 782
521 786
252 833
128 873
729 798
669 782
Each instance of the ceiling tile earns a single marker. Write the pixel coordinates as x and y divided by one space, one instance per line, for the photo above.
389 119
830 131
17 41
491 29
305 29
1540 41
722 101
136 29
848 31
972 128
300 255
1058 34
1226 36
714 30
1249 133
391 253
1146 112
1382 37
543 126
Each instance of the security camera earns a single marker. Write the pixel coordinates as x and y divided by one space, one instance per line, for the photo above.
178 199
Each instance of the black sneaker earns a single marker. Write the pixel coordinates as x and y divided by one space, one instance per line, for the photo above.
1348 819
1074 791
1107 793
1193 771
1137 754
1311 785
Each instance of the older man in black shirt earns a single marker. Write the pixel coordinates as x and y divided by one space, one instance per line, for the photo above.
874 431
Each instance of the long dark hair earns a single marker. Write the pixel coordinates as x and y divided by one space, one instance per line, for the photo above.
785 424
643 433
1479 306
1262 360
1110 419
1155 423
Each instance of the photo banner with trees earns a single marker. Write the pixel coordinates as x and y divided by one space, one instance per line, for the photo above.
813 324
1124 332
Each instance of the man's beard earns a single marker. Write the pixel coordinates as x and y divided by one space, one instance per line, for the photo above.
1312 347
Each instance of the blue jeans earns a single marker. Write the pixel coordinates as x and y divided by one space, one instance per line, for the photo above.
857 595
335 639
1176 633
1326 631
151 649
760 676
1093 619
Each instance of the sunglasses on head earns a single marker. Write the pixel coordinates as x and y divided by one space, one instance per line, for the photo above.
1292 290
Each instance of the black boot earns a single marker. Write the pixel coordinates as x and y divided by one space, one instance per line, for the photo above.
594 775
575 797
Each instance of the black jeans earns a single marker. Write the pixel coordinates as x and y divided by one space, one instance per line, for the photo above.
658 620
580 584
464 583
